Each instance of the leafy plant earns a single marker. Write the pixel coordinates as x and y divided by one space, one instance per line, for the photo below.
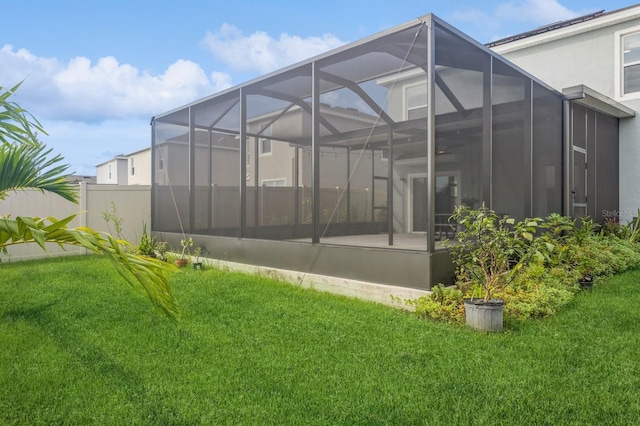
147 244
186 244
111 216
197 252
634 229
443 304
161 249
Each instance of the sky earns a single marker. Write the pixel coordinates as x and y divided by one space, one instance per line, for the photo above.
95 72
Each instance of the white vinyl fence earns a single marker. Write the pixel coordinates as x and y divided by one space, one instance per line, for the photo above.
132 204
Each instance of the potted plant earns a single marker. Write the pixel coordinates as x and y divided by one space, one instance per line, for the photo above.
198 263
490 251
186 244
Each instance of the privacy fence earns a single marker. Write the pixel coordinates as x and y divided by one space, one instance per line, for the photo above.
132 204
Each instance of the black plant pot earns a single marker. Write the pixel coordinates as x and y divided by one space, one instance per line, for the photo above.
586 283
197 265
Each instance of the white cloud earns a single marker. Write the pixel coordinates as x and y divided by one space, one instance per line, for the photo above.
84 91
260 51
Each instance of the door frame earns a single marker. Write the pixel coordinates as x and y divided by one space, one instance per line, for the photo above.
410 178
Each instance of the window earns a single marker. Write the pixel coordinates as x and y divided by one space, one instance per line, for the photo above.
133 166
161 165
631 63
265 143
416 101
109 170
274 182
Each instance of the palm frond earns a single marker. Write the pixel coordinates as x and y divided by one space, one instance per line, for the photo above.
29 166
17 126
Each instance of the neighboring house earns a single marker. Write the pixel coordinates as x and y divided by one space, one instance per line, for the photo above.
77 179
602 52
129 169
139 167
350 163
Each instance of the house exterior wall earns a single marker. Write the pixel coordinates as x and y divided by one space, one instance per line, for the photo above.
590 54
118 175
141 162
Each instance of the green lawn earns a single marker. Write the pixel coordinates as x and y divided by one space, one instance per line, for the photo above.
79 347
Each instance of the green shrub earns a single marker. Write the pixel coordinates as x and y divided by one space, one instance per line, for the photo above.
532 265
443 304
147 244
492 249
538 292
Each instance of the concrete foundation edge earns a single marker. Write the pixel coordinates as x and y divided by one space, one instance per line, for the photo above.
388 295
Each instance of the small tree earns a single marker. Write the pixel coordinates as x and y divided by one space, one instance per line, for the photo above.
493 249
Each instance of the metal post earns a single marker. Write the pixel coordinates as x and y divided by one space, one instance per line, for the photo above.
431 143
192 170
567 151
315 156
154 187
487 133
348 189
528 149
243 164
390 186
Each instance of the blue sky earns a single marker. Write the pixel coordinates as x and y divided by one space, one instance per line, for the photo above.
96 72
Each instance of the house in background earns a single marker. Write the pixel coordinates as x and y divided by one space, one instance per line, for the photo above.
375 143
595 61
129 169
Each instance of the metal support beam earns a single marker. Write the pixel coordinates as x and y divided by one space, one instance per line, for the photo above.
154 162
296 184
567 165
315 156
192 171
528 148
243 164
348 189
257 205
487 131
431 142
390 186
210 183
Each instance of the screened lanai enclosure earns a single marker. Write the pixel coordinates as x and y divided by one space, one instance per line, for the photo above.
351 163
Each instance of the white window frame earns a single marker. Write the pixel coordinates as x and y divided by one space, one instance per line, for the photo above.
619 65
133 166
267 182
109 170
405 100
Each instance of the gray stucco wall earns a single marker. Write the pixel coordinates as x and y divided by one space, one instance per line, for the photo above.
589 58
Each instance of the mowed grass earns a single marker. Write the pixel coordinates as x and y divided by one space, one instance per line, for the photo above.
78 346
